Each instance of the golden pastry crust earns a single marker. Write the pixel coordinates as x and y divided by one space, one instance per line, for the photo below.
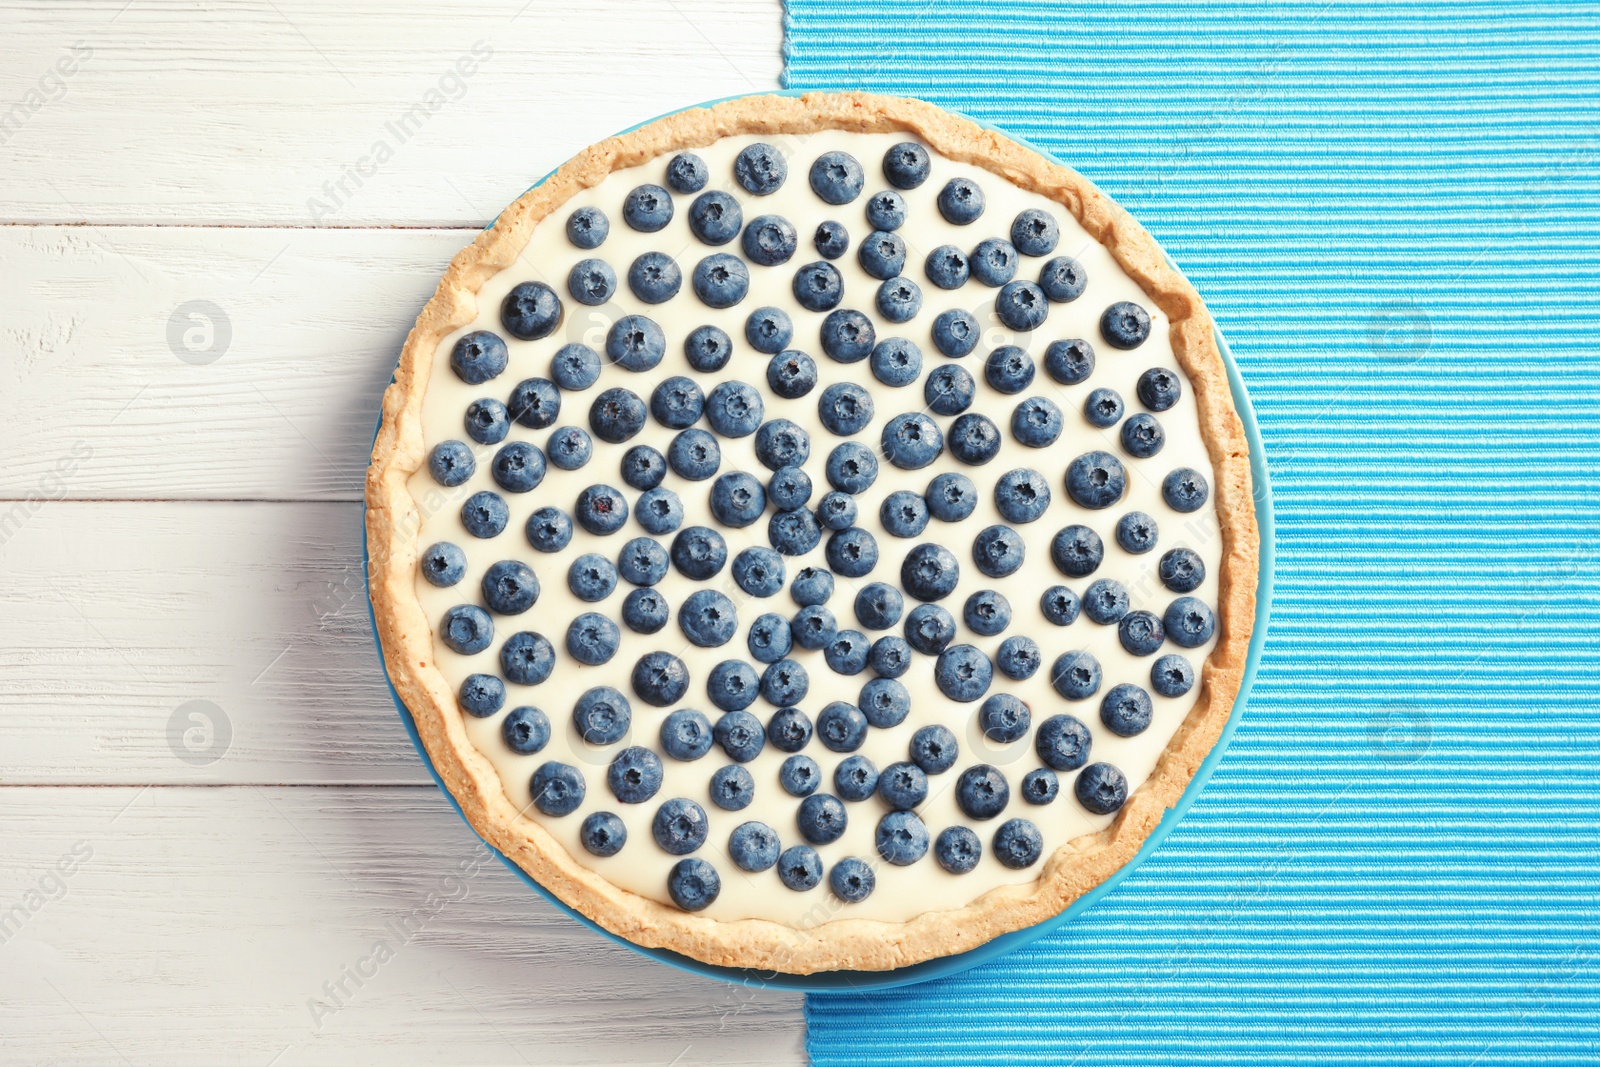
818 941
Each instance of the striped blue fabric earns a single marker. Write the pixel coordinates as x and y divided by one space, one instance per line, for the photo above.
1393 210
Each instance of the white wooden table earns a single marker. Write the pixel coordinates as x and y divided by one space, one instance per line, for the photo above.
216 843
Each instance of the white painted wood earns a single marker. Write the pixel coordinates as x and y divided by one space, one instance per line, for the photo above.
238 111
198 926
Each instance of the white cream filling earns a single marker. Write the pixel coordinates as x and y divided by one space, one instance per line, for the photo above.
901 892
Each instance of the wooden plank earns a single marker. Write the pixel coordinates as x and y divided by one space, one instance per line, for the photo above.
286 926
249 112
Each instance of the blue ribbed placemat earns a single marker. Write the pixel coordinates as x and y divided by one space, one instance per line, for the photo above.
1394 212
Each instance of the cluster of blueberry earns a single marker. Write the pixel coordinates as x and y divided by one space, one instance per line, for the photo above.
910 441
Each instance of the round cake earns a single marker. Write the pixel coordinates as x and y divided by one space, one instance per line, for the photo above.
813 533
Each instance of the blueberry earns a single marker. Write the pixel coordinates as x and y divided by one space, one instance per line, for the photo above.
837 511
734 409
655 278
1096 480
882 255
1018 658
686 735
687 173
679 826
784 683
1141 633
901 838
1189 622
791 374
659 511
760 169
898 300
1105 601
768 330
478 356
1126 710
1069 362
1159 389
906 165
1036 422
903 786
510 587
694 454
740 735
851 880
647 208
1021 306
831 239
974 439
793 533
811 586
451 463
527 659
601 510
485 514
903 513
1018 844
575 367
587 227
1035 232
1185 490
1101 788
530 311
818 287
1021 495
841 727
947 267
769 639
557 789
720 280
896 361
592 282
616 415
961 201
855 778
934 749
753 846
994 262
535 403
930 572
886 210
963 673
636 342
643 468
951 497
644 611
982 792
738 499
986 613
800 868
813 626
789 488
708 619
548 529
929 629
699 552
1125 325
526 730
1171 675
1076 675
845 408
1063 279
911 441
592 639
732 685
1142 436
569 448
847 336
758 571
781 443
998 551
1076 551
789 730
847 653
891 656
444 564
1004 718
487 421
603 834
1059 605
482 695
821 818
837 177
878 605
770 240
957 849
634 775
885 702
799 776
1039 786
956 332
851 467
949 390
715 218
1181 570
1008 369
